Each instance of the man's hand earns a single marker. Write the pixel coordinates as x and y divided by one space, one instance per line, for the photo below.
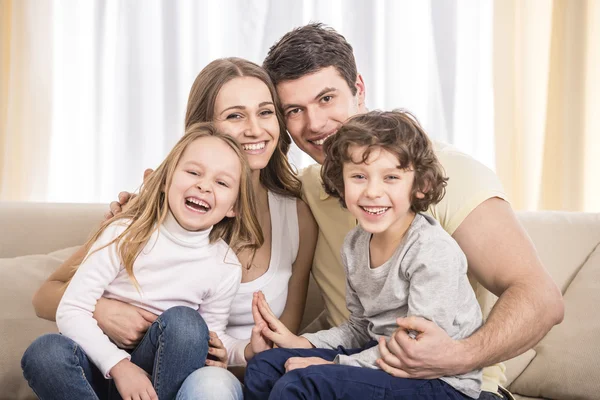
132 382
430 355
119 206
123 323
218 351
275 331
302 362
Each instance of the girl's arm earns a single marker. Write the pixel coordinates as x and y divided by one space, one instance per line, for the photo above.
298 284
74 316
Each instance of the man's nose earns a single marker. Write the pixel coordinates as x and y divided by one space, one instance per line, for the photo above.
317 119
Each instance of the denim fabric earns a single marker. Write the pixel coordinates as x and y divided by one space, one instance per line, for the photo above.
174 346
211 383
266 379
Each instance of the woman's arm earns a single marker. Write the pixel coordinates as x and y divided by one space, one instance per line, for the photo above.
46 298
298 284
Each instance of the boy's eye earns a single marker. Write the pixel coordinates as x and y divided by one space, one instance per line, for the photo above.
392 177
358 176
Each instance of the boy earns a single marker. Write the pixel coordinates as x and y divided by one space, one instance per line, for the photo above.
398 263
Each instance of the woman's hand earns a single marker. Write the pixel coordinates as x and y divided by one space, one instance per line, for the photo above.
218 351
123 323
132 382
274 330
258 342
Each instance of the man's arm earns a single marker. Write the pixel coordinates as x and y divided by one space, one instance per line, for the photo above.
503 259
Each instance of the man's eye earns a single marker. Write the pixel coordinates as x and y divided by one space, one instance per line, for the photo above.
326 99
293 111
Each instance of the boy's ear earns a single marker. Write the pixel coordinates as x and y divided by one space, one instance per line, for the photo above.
420 195
230 213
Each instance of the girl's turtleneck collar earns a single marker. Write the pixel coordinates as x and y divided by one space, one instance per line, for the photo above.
179 234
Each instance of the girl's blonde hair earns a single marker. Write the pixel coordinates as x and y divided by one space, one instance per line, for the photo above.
148 210
278 176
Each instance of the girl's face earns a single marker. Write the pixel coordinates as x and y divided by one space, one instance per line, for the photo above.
205 184
244 109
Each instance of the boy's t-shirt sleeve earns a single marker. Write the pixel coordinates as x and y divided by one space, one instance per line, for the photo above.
470 184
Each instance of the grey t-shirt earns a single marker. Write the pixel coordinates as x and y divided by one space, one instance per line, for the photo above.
426 276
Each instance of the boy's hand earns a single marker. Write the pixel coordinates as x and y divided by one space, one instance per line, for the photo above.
218 351
302 362
132 382
116 207
276 331
258 342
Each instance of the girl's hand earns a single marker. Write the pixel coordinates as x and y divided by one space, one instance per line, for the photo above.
302 362
274 330
217 350
132 382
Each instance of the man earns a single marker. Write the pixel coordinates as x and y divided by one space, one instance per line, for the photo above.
315 73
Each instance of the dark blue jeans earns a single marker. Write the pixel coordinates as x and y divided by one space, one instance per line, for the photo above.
174 346
266 379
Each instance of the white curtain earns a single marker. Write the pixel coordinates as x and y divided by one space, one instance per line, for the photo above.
110 78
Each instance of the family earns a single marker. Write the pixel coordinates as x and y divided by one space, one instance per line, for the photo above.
195 287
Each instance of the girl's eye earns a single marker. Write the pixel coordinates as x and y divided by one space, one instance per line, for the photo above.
193 173
222 183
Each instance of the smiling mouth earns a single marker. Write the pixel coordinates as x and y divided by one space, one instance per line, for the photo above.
319 142
197 205
375 210
254 146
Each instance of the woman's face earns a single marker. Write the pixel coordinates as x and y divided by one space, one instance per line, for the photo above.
244 109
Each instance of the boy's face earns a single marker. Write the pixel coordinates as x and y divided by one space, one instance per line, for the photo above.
378 192
316 105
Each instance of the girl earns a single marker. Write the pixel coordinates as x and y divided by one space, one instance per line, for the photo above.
166 254
240 98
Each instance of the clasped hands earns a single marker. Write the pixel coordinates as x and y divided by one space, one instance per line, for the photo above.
429 355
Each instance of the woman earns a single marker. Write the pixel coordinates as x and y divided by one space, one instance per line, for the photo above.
240 99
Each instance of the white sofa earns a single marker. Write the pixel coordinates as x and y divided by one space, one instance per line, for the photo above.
36 238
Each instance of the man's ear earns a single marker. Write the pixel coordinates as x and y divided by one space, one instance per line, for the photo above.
230 213
361 91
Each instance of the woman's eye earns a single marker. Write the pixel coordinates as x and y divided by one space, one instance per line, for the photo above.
266 112
234 116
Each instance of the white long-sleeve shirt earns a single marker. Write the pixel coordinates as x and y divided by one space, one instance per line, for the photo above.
176 268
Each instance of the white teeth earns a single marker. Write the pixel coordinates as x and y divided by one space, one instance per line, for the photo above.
199 202
321 141
375 210
254 146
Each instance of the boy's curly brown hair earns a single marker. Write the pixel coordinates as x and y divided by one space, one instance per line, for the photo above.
399 133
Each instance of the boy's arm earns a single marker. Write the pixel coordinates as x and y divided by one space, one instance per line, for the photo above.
502 257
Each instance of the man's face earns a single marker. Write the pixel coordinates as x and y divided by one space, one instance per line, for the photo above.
316 105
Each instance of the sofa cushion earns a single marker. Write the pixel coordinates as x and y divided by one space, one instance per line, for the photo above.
21 276
568 358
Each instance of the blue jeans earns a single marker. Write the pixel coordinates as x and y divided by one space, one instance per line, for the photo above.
211 383
266 379
174 346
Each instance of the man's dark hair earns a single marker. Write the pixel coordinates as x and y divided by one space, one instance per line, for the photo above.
306 50
397 132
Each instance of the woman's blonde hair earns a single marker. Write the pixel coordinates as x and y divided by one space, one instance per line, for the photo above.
278 175
148 210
